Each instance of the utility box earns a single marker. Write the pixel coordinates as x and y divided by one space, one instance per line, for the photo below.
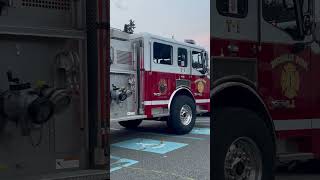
44 122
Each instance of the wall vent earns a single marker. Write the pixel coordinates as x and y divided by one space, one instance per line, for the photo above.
63 5
124 57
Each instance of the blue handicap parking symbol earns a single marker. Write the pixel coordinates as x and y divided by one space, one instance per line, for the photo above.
117 163
149 145
204 131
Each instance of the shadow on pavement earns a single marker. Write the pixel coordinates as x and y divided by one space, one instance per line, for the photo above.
310 167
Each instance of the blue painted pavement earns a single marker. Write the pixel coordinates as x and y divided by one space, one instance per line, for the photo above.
119 163
203 131
149 145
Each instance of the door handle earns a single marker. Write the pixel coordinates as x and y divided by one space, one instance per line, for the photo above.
233 48
254 49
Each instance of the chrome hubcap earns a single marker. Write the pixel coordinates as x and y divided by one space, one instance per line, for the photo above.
243 161
186 114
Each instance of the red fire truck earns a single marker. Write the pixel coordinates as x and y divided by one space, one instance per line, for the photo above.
265 92
153 77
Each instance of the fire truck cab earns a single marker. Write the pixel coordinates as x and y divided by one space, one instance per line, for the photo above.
155 78
264 85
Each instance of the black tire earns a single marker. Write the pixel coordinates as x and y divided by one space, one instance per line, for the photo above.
231 124
130 124
174 121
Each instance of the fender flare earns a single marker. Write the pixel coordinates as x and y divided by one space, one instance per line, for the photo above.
176 91
226 85
233 78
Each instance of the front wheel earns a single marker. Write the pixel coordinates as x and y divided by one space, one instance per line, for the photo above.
243 147
182 115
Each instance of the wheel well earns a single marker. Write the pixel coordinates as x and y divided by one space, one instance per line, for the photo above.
237 96
241 95
180 92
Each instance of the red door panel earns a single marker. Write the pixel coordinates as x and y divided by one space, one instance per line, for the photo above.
284 81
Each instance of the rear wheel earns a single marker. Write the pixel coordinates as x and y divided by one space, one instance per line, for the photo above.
130 124
182 115
243 147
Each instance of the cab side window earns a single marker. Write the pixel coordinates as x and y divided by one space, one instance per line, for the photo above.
233 8
282 14
162 53
182 57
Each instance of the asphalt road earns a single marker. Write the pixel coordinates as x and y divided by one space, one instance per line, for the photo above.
151 152
303 171
190 161
297 177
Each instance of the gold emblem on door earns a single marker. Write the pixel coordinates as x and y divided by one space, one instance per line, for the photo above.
290 80
200 85
163 86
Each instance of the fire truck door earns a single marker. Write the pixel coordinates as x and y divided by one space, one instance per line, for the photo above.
284 64
164 69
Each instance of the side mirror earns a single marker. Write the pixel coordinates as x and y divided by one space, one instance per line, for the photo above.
308 25
204 58
298 47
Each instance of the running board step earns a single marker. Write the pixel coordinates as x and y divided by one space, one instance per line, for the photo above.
127 118
295 156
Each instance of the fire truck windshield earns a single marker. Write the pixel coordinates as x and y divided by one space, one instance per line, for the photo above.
279 11
200 61
283 15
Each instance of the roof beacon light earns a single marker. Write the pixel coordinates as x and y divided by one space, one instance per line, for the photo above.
190 41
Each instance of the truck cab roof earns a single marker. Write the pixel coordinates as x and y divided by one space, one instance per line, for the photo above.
150 36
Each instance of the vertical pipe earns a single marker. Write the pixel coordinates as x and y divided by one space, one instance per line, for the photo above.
107 67
101 63
103 48
92 67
